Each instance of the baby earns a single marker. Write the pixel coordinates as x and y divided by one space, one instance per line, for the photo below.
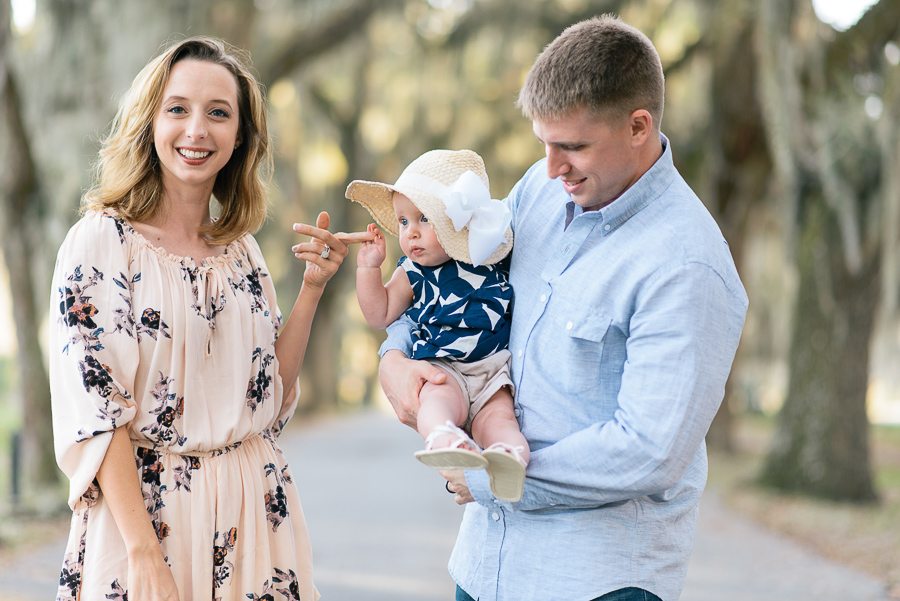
452 235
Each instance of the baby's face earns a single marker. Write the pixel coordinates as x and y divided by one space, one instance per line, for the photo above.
417 238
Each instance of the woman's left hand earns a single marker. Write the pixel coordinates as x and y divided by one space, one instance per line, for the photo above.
325 252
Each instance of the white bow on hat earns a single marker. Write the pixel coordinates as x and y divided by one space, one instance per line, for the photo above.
469 204
451 189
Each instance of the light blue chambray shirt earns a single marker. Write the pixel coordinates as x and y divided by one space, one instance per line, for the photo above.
625 324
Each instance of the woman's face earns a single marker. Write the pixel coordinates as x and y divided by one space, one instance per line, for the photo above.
195 130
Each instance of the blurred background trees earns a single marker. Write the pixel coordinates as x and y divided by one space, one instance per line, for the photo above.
785 126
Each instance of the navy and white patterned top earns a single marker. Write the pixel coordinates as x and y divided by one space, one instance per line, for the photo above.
462 311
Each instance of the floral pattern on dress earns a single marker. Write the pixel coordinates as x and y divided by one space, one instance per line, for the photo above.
124 316
78 312
117 593
266 594
251 283
151 469
258 387
182 473
70 576
222 568
275 499
150 466
151 324
168 409
76 306
292 590
95 375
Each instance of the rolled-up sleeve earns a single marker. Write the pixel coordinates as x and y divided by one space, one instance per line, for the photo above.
399 337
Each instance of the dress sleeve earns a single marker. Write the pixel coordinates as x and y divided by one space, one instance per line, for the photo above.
289 405
293 394
92 347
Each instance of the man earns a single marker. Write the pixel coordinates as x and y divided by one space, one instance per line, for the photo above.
628 311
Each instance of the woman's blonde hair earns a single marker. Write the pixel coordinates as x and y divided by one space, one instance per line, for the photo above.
127 174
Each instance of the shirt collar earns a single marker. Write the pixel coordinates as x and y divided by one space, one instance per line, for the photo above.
650 185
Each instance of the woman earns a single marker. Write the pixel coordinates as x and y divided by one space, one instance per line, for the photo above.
167 351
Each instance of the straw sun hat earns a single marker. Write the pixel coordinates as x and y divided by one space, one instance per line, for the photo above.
451 189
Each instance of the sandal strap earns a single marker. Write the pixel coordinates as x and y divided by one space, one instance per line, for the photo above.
450 428
508 448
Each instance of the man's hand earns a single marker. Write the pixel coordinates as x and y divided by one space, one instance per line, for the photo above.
456 482
402 379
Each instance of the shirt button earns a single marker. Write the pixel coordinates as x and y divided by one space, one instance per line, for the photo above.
520 352
496 516
516 412
606 227
543 298
570 325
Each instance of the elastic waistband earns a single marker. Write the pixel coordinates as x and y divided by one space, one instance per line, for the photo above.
149 444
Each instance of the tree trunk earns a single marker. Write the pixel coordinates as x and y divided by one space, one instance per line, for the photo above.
322 367
828 171
821 445
20 203
738 160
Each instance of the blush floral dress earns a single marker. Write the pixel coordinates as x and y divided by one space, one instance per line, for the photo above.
183 355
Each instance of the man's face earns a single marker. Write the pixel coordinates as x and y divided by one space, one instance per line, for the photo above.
595 161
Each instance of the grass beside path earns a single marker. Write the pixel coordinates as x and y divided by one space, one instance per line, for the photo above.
866 537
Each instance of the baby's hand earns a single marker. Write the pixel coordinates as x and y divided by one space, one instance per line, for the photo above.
372 253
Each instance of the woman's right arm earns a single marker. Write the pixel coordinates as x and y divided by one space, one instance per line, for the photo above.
149 576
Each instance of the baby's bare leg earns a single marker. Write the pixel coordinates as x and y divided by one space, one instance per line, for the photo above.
439 403
496 422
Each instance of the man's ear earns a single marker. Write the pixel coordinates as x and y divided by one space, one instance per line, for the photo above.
641 123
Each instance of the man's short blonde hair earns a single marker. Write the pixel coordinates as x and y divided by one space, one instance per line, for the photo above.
601 64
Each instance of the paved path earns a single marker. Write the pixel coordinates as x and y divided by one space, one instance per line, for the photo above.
382 527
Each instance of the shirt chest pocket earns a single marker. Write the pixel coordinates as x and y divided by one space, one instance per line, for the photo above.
576 348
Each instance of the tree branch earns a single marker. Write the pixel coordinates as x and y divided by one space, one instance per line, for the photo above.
861 47
840 197
309 44
779 98
543 15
